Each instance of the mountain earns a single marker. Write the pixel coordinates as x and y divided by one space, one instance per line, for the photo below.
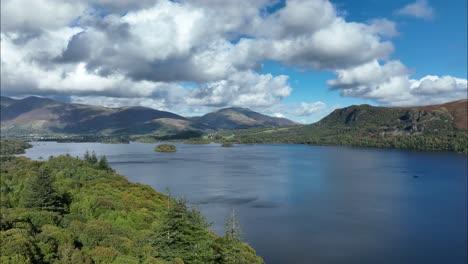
432 127
431 118
43 116
239 118
35 115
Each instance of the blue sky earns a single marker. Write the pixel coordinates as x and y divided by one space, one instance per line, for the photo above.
433 46
299 59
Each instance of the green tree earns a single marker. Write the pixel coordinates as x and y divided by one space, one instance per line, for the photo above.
40 192
103 164
93 158
18 245
87 156
184 233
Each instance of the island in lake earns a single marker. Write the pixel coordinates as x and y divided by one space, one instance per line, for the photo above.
165 148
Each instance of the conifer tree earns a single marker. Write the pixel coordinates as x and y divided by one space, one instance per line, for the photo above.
87 156
232 227
229 250
93 158
40 192
184 233
103 164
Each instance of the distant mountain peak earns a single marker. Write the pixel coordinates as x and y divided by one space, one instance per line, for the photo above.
240 117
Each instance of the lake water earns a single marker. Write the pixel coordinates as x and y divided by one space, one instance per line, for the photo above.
310 204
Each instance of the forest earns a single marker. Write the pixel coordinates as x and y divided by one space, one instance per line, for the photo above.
79 210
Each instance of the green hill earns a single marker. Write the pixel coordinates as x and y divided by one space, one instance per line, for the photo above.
435 127
68 210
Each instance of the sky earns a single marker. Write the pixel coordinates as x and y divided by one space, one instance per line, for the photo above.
299 59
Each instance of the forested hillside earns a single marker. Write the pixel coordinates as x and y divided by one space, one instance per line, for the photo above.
435 127
11 147
71 210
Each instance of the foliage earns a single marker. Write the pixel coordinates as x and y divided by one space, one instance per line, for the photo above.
165 148
104 218
103 164
13 146
183 233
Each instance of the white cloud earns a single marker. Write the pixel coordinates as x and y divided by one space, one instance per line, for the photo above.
418 9
242 89
279 115
391 84
32 16
384 27
306 109
434 85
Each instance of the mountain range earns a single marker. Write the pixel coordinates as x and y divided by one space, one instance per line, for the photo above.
43 116
438 127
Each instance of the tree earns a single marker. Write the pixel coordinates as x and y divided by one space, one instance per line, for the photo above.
87 156
93 158
18 247
40 192
103 164
229 248
183 233
232 227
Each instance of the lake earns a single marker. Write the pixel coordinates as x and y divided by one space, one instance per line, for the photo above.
311 204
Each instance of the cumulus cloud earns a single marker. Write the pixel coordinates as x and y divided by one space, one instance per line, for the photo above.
418 9
119 52
391 84
32 16
242 89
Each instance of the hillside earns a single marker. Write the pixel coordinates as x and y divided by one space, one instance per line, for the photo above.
401 119
43 116
35 115
68 210
434 127
239 118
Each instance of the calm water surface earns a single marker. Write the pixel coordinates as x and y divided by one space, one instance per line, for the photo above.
303 204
